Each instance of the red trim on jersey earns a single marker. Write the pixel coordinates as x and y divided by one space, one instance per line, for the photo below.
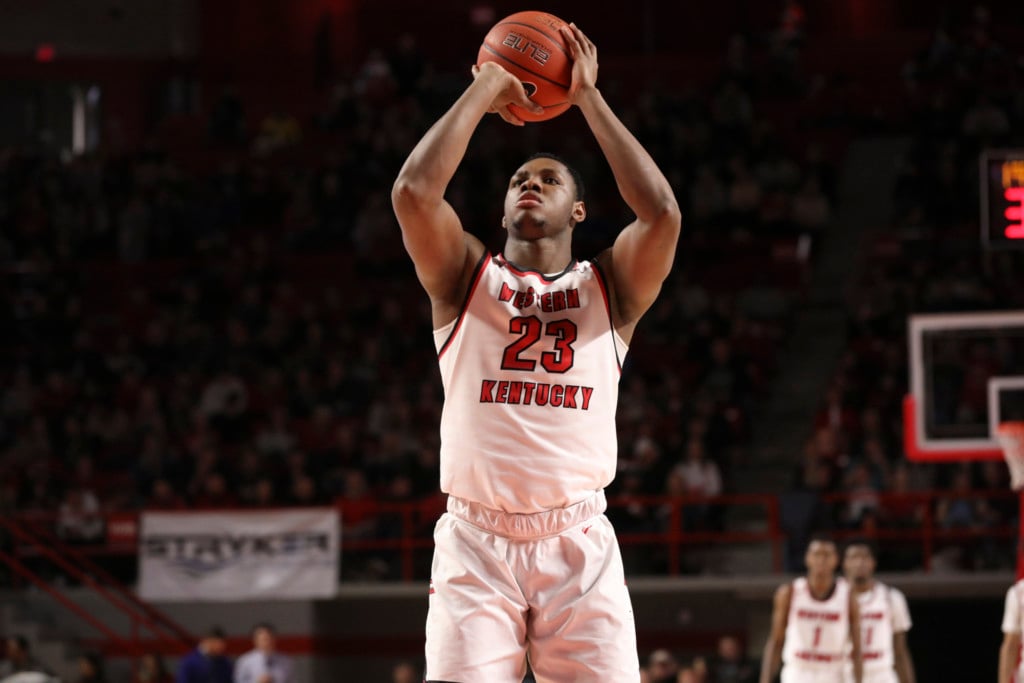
608 309
477 274
522 272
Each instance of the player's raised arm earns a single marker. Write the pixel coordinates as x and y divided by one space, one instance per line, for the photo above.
642 255
771 661
855 651
431 230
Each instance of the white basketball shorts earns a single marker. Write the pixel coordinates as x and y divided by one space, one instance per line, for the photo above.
792 674
549 586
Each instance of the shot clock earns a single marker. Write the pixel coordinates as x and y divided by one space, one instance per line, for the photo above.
1002 199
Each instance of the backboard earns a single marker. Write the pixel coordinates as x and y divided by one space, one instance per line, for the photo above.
966 376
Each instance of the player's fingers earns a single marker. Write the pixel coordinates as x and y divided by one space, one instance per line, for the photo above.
585 43
509 117
570 39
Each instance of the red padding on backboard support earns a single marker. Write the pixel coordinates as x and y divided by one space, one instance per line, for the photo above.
917 454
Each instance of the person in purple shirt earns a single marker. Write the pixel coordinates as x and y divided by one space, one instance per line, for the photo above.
207 663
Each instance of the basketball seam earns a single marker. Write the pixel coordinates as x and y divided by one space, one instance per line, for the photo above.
517 64
534 28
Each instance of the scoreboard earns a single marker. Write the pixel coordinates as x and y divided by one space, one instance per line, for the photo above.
1002 199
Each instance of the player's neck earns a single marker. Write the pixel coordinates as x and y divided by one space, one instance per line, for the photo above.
546 255
863 586
821 586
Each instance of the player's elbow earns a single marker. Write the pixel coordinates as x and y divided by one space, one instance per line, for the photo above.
667 214
407 192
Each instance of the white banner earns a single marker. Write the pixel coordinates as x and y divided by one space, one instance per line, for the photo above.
239 555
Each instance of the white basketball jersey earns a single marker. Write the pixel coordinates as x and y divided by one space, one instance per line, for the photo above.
818 631
530 371
883 613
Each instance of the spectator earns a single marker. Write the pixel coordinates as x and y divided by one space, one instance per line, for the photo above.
207 663
405 672
152 670
79 518
90 669
731 664
662 667
264 664
19 662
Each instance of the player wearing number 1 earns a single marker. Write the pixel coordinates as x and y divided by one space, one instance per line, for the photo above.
815 624
530 343
884 619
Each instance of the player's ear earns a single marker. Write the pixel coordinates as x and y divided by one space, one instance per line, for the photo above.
503 226
579 212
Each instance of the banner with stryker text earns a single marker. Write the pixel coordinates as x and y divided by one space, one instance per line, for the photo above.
239 555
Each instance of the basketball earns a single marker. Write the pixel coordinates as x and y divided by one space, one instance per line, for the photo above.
530 46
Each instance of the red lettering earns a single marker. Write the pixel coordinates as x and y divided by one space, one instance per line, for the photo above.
587 392
558 301
557 391
502 394
485 390
543 391
572 298
570 396
506 293
545 302
515 390
528 392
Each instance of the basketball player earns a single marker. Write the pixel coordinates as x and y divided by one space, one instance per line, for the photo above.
815 622
1013 616
884 620
530 343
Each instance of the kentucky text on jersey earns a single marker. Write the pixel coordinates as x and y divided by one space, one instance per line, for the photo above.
536 393
548 302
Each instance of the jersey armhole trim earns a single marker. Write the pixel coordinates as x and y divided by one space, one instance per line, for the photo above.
608 309
473 282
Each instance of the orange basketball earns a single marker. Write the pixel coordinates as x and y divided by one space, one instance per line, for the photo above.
530 46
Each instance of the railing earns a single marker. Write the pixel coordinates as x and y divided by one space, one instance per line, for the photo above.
403 531
32 536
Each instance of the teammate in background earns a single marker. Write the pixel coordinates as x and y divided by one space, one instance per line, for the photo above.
1013 617
884 620
815 624
530 344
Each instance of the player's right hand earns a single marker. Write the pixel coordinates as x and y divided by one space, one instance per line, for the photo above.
512 92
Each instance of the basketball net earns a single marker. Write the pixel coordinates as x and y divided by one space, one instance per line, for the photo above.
1011 439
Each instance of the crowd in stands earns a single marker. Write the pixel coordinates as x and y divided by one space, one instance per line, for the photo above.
241 326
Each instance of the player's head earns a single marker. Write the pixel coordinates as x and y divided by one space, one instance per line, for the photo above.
264 636
859 561
822 556
544 197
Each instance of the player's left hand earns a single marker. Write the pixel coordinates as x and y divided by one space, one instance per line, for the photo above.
584 61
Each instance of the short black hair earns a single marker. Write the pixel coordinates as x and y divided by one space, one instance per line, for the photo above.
264 625
216 632
862 543
821 537
577 179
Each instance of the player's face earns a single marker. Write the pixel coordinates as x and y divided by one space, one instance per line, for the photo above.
858 564
541 200
821 558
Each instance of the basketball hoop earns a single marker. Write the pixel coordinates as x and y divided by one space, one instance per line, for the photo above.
1011 439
